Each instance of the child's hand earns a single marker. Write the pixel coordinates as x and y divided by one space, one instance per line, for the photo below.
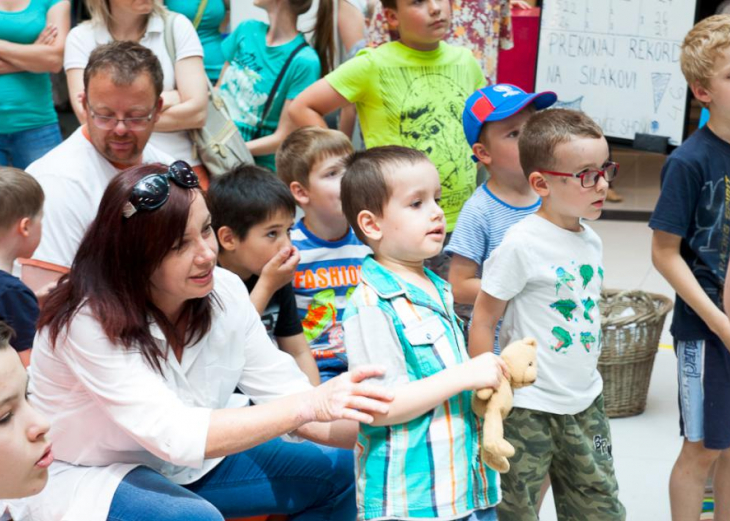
485 370
280 269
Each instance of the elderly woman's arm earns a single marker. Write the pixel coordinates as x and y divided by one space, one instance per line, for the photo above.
186 107
45 54
159 418
312 414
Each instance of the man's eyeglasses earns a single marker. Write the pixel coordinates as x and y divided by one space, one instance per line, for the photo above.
152 191
589 177
111 122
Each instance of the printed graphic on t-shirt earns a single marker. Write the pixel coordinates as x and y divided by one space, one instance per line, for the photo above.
577 312
712 235
322 316
426 104
239 93
270 316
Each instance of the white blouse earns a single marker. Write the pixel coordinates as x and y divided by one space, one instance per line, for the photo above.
110 411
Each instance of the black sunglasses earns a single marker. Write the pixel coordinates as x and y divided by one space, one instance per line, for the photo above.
152 191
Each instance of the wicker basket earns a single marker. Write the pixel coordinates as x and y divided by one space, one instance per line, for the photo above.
631 323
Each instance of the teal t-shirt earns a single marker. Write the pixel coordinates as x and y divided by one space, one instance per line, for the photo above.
254 67
208 31
26 100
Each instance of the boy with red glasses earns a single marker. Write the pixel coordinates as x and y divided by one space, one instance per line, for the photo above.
545 278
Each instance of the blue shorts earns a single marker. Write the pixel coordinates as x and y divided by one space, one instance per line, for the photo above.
704 391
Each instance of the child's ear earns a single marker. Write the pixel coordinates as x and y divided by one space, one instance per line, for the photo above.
226 238
701 93
369 225
539 184
300 193
391 16
24 226
481 153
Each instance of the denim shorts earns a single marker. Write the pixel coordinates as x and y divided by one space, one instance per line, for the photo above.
703 370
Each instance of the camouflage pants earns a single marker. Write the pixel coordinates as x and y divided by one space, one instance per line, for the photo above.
575 450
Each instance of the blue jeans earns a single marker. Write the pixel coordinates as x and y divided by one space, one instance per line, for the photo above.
331 367
20 149
306 481
489 514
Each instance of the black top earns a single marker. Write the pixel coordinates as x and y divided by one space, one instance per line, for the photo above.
18 309
693 205
280 317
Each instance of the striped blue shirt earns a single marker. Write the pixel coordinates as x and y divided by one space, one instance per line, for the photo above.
482 224
326 276
483 221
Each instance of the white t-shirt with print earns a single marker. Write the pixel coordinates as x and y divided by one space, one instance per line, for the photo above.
73 177
87 36
552 279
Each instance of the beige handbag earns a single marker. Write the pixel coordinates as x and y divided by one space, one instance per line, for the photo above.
219 144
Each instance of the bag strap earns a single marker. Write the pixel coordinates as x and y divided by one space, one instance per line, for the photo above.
272 94
199 15
170 36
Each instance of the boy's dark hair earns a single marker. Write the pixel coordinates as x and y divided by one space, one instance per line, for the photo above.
364 185
125 61
547 129
20 196
389 4
6 335
247 196
304 147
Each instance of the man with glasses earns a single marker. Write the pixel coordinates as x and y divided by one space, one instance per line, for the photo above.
123 82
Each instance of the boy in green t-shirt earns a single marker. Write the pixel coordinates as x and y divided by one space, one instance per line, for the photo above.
409 93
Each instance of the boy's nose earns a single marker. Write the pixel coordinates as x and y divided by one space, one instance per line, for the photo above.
601 184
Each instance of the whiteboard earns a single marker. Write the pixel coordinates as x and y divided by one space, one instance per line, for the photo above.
618 61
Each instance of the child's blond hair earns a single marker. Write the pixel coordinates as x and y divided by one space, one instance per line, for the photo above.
304 147
701 48
20 196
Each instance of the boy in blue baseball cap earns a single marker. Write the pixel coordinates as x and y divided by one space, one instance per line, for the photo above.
492 119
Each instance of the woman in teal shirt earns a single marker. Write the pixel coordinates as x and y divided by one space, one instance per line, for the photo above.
32 36
208 28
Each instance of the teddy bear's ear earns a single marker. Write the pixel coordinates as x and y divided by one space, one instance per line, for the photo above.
530 342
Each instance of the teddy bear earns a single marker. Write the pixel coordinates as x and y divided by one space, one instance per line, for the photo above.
493 405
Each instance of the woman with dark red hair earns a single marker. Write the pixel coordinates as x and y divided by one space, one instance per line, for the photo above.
139 351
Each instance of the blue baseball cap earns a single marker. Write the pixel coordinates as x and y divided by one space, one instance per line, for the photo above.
497 102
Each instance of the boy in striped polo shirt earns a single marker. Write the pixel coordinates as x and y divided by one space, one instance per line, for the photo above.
310 162
420 460
492 119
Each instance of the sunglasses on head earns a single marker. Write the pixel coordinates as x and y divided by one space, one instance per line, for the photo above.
152 191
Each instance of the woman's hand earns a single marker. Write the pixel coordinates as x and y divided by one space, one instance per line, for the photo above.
170 98
346 397
48 35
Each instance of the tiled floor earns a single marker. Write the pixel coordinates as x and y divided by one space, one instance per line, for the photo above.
644 446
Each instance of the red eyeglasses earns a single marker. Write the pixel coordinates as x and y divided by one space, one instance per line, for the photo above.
589 177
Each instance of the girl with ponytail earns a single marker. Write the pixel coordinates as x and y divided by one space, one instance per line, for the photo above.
267 65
